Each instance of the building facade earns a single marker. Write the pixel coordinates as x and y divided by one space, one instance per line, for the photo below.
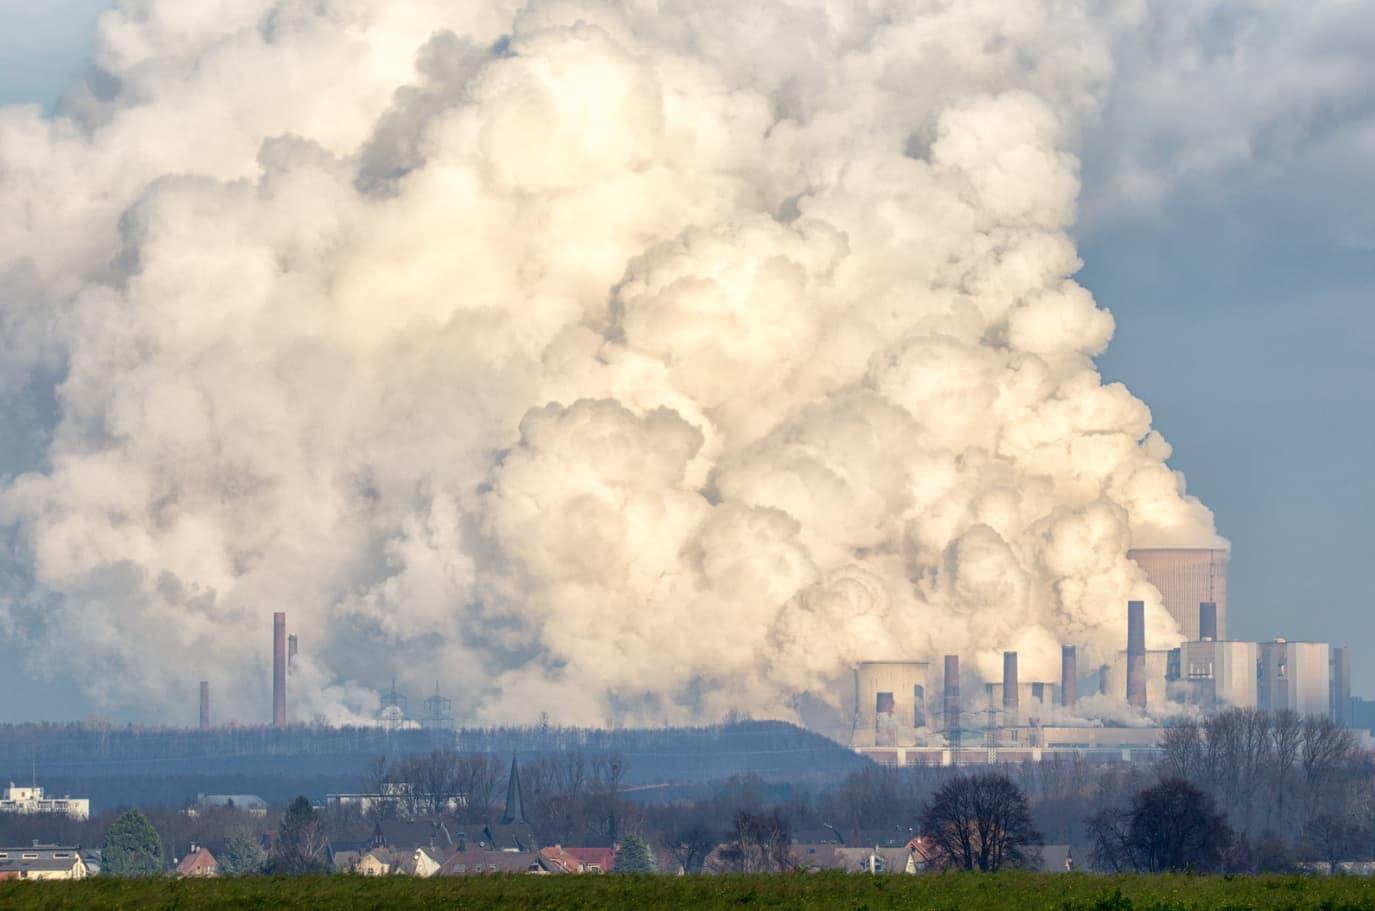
32 800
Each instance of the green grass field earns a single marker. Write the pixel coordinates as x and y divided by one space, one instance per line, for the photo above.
958 892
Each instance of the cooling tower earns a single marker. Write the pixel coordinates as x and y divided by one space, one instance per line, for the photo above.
1010 681
279 669
205 704
1207 620
1187 577
890 702
952 699
1136 654
1069 676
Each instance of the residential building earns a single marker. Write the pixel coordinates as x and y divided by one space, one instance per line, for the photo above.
32 800
40 861
198 862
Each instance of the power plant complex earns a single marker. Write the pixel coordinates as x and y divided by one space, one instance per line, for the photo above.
1016 720
1110 711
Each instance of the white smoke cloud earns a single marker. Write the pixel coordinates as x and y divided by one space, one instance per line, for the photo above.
630 361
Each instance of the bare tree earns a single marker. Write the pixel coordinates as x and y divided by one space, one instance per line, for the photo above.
979 822
759 843
479 776
1182 745
1170 826
1332 837
1327 748
1286 740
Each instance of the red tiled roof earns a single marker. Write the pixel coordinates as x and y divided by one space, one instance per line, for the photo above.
198 863
602 858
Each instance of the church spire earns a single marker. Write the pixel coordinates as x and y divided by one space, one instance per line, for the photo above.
515 801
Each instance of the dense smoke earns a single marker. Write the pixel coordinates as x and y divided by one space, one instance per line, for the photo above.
631 361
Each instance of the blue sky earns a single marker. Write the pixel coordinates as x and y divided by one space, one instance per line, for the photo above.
1243 300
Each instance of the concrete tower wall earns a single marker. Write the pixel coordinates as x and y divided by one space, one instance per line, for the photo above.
890 702
1186 577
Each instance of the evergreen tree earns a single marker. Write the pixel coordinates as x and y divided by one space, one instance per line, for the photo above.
300 841
636 856
242 856
132 847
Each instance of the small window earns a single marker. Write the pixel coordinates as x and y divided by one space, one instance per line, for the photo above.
492 867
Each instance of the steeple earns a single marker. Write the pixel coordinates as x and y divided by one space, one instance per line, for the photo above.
515 801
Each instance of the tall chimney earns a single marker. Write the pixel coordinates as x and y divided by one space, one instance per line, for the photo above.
1136 654
279 669
205 704
1207 620
952 699
1010 681
291 648
1069 676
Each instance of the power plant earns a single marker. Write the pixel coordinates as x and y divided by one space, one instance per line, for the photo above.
1135 692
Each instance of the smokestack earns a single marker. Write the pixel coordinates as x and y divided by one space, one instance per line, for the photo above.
1207 620
291 647
205 704
1069 676
279 669
1010 681
1136 654
952 699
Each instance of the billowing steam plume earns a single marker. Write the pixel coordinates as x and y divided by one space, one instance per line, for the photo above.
632 361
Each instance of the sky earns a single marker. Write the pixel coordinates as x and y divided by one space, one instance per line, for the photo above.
1243 302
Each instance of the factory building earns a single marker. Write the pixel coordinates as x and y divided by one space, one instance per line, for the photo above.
1219 675
1341 686
1186 578
890 703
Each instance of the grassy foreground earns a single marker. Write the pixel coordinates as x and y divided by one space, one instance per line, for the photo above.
958 892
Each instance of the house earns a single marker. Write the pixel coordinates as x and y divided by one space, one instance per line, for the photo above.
199 862
426 861
343 856
909 858
594 860
477 861
376 862
91 857
40 861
